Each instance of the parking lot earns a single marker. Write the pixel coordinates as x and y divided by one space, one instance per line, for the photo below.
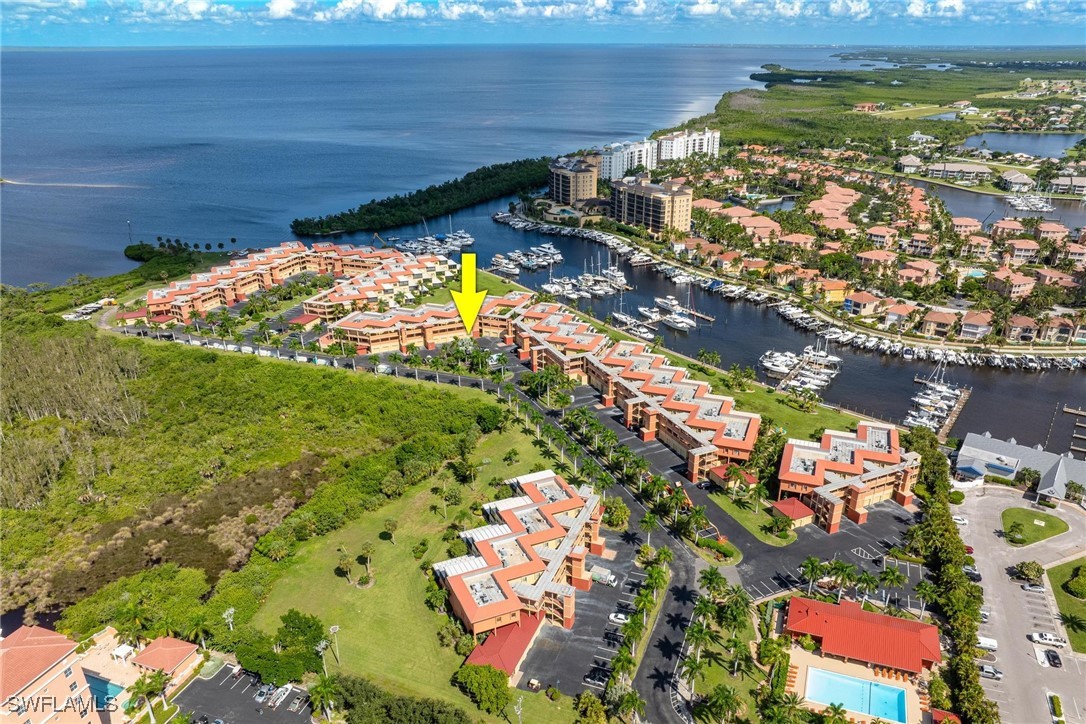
1016 613
232 700
562 658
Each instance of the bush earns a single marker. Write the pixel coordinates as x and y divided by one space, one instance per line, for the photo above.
724 550
1076 584
458 548
1057 706
1048 504
808 643
553 693
419 549
956 497
484 685
1000 480
465 645
901 555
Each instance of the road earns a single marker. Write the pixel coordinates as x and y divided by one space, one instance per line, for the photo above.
1016 613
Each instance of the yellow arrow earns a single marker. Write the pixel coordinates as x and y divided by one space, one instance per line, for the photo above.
468 301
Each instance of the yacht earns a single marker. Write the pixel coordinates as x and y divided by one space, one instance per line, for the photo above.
680 322
669 303
650 313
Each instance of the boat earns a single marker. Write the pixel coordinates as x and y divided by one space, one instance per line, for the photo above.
679 322
650 313
641 331
668 303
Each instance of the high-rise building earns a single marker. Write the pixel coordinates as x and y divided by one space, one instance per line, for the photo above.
573 179
686 143
639 202
617 159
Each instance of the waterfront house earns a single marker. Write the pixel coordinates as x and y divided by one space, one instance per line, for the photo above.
1068 185
1076 253
1020 328
918 245
910 163
734 213
1010 283
760 228
898 314
965 225
1006 228
986 455
806 242
921 272
1057 330
844 473
877 260
658 207
919 139
882 237
1055 278
1015 181
861 304
975 325
1052 231
1023 251
938 324
846 631
707 204
834 225
832 291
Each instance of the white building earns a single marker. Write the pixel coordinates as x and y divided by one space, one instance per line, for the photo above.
617 159
686 143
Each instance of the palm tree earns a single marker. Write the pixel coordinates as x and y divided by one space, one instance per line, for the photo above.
623 664
891 577
643 603
742 661
843 574
699 636
724 703
198 630
791 708
712 581
649 523
142 690
692 669
630 703
926 592
834 714
867 583
631 631
322 695
811 569
655 579
704 609
664 556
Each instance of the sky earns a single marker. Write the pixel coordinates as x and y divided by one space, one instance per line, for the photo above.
111 23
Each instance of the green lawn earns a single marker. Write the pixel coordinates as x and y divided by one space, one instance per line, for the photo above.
752 520
719 671
387 633
492 283
1031 531
1072 609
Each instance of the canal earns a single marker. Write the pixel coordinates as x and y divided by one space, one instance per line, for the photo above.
1008 404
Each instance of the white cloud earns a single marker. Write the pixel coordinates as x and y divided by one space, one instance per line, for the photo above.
701 8
180 11
636 8
789 9
281 9
457 10
855 9
950 8
917 8
376 9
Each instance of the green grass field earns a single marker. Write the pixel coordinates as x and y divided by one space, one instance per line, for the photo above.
1032 532
752 520
1072 609
387 633
492 283
719 671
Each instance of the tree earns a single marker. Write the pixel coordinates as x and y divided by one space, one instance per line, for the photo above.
866 583
391 524
926 592
142 690
365 552
485 685
655 579
1031 571
623 664
346 563
834 714
712 581
198 630
649 523
698 635
843 573
724 703
322 695
891 578
1015 531
630 703
692 670
812 569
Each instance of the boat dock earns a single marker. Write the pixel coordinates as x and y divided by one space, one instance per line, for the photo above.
1075 411
642 262
948 424
697 314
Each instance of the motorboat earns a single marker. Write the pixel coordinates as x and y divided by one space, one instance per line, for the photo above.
680 322
669 303
650 313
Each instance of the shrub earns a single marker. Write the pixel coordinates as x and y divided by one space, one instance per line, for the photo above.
1030 571
484 685
458 548
724 550
364 580
1057 706
553 693
808 643
419 549
956 497
1076 585
999 480
465 645
1048 504
901 555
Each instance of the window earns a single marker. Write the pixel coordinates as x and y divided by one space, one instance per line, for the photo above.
68 671
73 686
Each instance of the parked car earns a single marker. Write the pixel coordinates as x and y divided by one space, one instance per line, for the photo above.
969 550
1053 659
985 614
972 573
991 672
619 618
1033 588
1048 639
960 520
262 694
597 677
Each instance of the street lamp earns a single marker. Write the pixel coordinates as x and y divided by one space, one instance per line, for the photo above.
335 639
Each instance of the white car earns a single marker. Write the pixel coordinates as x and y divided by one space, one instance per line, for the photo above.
1033 588
619 618
959 520
1048 639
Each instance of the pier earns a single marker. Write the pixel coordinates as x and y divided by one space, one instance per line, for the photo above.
697 314
948 425
1074 411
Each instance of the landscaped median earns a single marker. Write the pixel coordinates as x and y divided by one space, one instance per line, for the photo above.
1064 579
1022 526
755 519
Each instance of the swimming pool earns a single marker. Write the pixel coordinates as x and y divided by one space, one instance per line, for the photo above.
102 690
858 695
977 274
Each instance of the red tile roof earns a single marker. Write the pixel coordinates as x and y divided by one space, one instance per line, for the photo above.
27 654
504 648
793 508
304 319
165 654
846 630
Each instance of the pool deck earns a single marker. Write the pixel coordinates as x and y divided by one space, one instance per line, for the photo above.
98 661
797 683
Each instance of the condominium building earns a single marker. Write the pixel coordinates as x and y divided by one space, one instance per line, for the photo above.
687 143
387 270
618 159
845 473
959 171
529 559
392 279
1010 283
657 207
573 180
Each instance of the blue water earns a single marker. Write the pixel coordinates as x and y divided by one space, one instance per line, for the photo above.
102 690
1035 144
858 695
209 144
